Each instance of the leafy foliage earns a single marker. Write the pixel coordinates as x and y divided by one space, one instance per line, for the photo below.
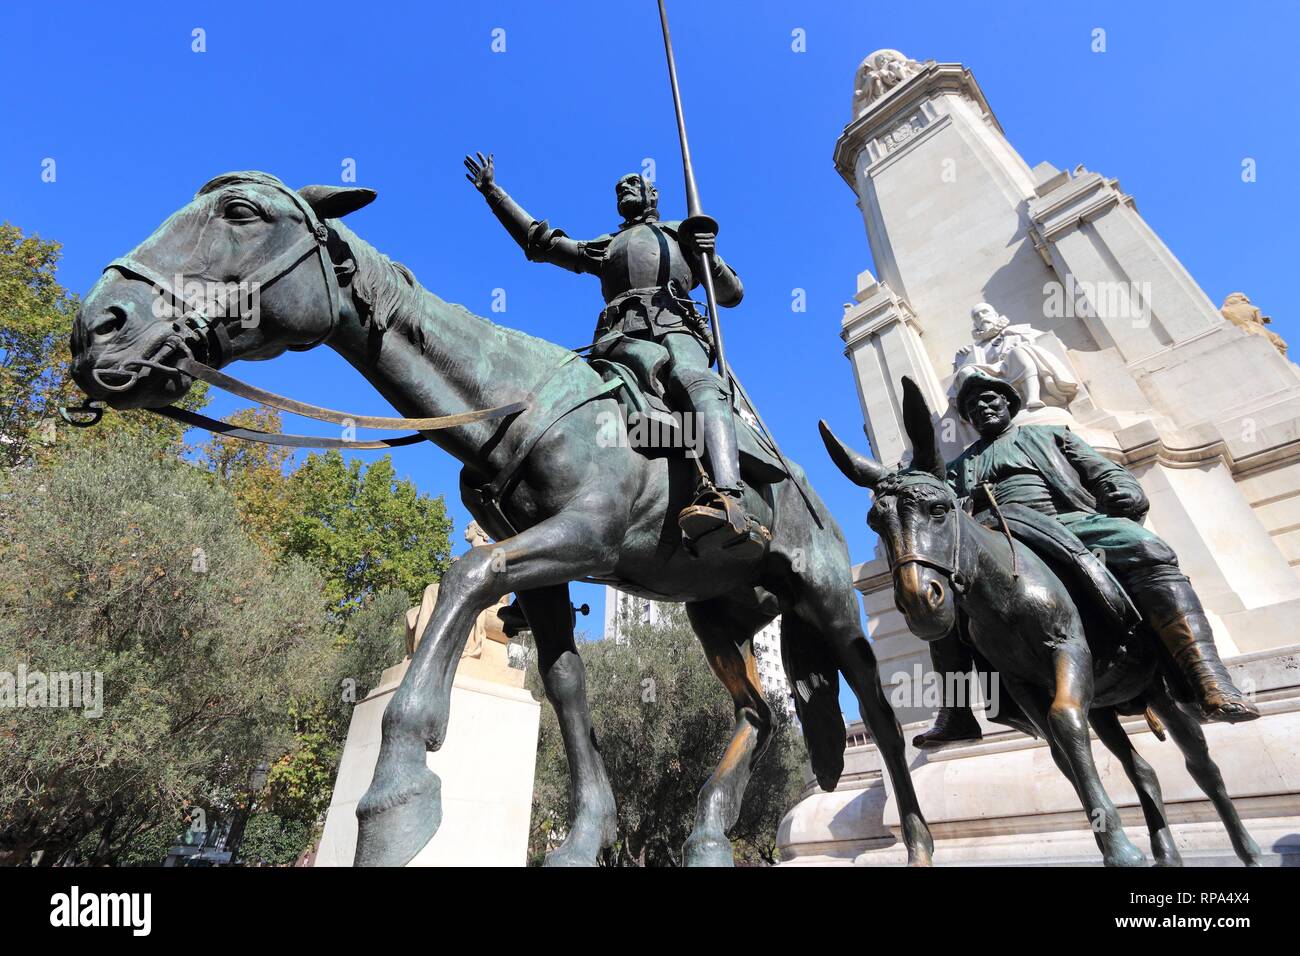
36 316
366 529
102 558
663 721
270 840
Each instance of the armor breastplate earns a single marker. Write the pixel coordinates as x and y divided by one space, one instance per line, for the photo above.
644 256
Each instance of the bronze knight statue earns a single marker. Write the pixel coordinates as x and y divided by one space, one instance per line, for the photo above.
647 269
1049 471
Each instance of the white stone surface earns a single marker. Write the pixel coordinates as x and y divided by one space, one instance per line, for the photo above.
486 767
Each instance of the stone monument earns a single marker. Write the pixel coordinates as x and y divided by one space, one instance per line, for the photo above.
1134 357
486 763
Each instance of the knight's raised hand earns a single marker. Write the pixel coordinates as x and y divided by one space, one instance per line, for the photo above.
481 171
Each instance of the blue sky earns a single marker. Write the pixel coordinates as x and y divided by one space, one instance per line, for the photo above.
136 121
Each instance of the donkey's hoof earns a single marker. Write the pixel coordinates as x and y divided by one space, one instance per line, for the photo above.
395 821
920 844
707 851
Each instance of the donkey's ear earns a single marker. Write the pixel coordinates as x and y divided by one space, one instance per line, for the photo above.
335 202
920 430
858 468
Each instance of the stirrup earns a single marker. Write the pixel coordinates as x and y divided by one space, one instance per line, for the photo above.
720 513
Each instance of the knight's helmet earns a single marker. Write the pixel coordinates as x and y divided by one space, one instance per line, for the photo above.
649 194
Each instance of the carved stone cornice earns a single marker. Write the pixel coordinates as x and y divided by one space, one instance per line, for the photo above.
1085 197
888 119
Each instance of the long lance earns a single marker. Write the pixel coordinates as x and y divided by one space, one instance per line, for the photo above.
697 221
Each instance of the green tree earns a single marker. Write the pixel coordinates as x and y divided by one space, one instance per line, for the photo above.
35 320
270 840
122 561
663 721
36 316
366 529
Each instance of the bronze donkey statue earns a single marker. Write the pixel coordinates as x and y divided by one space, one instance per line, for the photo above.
1063 672
562 503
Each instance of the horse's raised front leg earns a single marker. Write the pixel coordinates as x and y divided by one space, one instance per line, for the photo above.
724 629
1143 777
401 811
594 823
1187 734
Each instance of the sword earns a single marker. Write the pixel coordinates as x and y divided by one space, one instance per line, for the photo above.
697 221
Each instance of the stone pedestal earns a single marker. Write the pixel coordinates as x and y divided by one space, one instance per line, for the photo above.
1003 802
486 767
1205 415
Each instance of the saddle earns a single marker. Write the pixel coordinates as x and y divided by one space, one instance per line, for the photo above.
655 430
1112 623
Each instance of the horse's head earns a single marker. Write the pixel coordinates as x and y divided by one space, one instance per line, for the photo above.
243 271
916 516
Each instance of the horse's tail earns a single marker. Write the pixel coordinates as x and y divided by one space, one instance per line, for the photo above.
815 685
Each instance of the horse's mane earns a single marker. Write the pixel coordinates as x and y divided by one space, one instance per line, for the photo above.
395 300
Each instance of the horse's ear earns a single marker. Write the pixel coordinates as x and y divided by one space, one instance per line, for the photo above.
920 430
335 202
858 468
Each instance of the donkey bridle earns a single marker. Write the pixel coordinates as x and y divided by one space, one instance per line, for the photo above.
951 569
196 326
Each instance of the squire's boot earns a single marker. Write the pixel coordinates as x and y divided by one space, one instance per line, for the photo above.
951 725
1190 641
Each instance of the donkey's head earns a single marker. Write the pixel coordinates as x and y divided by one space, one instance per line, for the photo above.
243 271
916 516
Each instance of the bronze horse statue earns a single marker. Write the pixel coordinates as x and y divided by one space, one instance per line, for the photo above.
563 504
1024 623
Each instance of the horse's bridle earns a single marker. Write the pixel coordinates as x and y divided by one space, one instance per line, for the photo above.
195 326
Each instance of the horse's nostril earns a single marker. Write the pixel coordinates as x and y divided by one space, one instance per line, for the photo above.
934 591
110 323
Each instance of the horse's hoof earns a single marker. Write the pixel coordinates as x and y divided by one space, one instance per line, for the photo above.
586 839
707 851
1164 851
395 822
1125 856
570 854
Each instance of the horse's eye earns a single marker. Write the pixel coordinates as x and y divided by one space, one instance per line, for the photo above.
237 210
938 509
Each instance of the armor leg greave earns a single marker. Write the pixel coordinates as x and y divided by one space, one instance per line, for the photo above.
717 428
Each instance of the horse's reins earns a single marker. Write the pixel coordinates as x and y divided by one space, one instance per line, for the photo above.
196 326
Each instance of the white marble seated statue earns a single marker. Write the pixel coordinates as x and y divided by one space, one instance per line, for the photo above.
1008 352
